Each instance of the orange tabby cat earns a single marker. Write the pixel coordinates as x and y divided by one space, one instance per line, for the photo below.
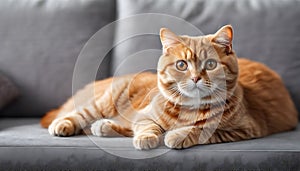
202 94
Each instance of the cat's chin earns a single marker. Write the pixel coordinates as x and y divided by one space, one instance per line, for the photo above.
195 92
197 103
198 97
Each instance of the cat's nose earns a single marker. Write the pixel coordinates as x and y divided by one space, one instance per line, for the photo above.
196 79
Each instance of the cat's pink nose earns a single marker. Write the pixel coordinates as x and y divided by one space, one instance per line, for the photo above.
196 79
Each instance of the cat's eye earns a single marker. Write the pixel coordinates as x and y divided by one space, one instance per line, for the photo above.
211 64
181 65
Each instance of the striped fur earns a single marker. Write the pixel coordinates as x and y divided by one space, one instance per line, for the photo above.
208 102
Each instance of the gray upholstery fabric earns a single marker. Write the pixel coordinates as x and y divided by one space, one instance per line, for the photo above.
8 91
40 42
265 31
24 145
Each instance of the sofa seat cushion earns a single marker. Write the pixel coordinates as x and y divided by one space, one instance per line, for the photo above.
25 145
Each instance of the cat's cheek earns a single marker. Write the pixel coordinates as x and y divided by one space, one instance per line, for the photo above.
145 141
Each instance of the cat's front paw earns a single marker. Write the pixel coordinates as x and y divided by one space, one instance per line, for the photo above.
178 139
103 128
62 127
145 141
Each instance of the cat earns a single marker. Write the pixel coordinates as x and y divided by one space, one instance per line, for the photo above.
202 94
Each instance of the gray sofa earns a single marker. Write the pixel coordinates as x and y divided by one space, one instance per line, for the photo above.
50 48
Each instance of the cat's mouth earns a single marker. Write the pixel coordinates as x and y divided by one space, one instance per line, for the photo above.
201 95
196 91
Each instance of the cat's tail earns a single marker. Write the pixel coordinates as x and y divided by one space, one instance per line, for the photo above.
49 117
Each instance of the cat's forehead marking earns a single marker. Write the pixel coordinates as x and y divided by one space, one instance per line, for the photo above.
182 51
189 54
203 53
198 47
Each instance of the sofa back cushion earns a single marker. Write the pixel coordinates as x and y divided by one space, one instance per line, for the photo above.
40 42
8 91
266 31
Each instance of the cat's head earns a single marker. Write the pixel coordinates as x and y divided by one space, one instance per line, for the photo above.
197 70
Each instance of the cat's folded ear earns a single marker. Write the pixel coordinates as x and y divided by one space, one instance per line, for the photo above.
168 38
224 37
